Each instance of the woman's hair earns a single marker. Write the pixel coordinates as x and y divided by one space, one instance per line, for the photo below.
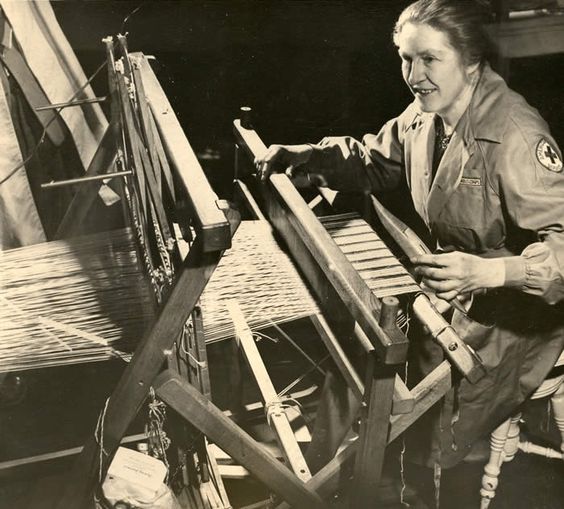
463 21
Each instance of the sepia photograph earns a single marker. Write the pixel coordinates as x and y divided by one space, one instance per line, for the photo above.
261 254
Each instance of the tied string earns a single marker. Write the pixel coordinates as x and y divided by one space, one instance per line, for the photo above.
186 339
257 336
159 442
278 405
437 470
290 386
403 502
99 437
455 416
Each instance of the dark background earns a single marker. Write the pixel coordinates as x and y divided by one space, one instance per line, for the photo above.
307 68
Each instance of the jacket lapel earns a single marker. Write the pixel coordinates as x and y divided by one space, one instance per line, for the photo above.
447 178
421 164
450 170
478 122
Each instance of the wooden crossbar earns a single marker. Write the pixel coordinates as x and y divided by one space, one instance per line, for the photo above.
276 414
211 421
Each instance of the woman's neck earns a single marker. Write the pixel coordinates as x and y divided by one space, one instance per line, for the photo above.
451 117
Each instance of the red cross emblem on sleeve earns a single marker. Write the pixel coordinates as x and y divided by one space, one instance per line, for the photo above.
548 157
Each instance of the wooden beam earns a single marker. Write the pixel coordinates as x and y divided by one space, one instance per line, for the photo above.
338 472
33 464
284 204
242 192
403 401
208 216
455 349
205 416
132 389
339 356
373 434
430 390
275 412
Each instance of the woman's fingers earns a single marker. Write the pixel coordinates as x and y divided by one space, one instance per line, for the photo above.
438 273
290 171
265 164
447 285
430 260
448 296
282 158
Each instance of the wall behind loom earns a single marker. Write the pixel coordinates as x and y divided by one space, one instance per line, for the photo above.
307 68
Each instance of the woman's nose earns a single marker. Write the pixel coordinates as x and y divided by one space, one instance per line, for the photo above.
416 73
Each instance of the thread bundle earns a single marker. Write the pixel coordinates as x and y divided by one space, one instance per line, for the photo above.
72 301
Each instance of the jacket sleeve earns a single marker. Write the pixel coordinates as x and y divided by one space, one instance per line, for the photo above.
374 164
531 180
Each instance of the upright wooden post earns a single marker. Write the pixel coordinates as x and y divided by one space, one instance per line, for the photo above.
375 419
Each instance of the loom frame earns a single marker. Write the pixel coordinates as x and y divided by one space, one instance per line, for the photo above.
336 284
214 224
301 231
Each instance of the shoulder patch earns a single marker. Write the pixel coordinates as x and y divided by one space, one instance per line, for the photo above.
548 157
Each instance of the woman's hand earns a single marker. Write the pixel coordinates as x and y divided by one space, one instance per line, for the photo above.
456 273
282 158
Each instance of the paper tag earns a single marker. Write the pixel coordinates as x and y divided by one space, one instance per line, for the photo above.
138 468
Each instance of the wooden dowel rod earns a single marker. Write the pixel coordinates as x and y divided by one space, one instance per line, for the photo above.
71 103
82 180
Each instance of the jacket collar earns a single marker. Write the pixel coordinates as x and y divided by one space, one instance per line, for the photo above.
487 114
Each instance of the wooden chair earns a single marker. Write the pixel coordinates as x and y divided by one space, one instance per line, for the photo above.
504 440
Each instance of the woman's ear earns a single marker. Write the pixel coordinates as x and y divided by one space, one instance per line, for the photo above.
472 69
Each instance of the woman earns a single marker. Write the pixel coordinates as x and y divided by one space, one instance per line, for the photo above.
486 177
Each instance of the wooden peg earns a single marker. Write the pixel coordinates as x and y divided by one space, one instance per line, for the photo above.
246 113
389 312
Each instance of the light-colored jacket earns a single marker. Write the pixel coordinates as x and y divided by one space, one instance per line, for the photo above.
498 191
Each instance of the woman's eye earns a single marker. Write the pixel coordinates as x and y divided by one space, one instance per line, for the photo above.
428 60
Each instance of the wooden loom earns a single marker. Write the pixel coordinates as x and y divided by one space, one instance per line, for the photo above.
141 116
172 166
343 291
164 185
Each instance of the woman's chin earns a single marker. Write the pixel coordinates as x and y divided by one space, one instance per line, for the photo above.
426 105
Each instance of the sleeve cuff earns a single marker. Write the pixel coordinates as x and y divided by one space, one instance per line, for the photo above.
515 271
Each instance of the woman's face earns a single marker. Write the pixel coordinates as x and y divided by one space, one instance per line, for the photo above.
434 70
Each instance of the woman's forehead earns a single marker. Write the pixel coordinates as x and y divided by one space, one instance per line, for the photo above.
421 38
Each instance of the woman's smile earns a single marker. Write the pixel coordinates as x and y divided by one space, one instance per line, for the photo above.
419 91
